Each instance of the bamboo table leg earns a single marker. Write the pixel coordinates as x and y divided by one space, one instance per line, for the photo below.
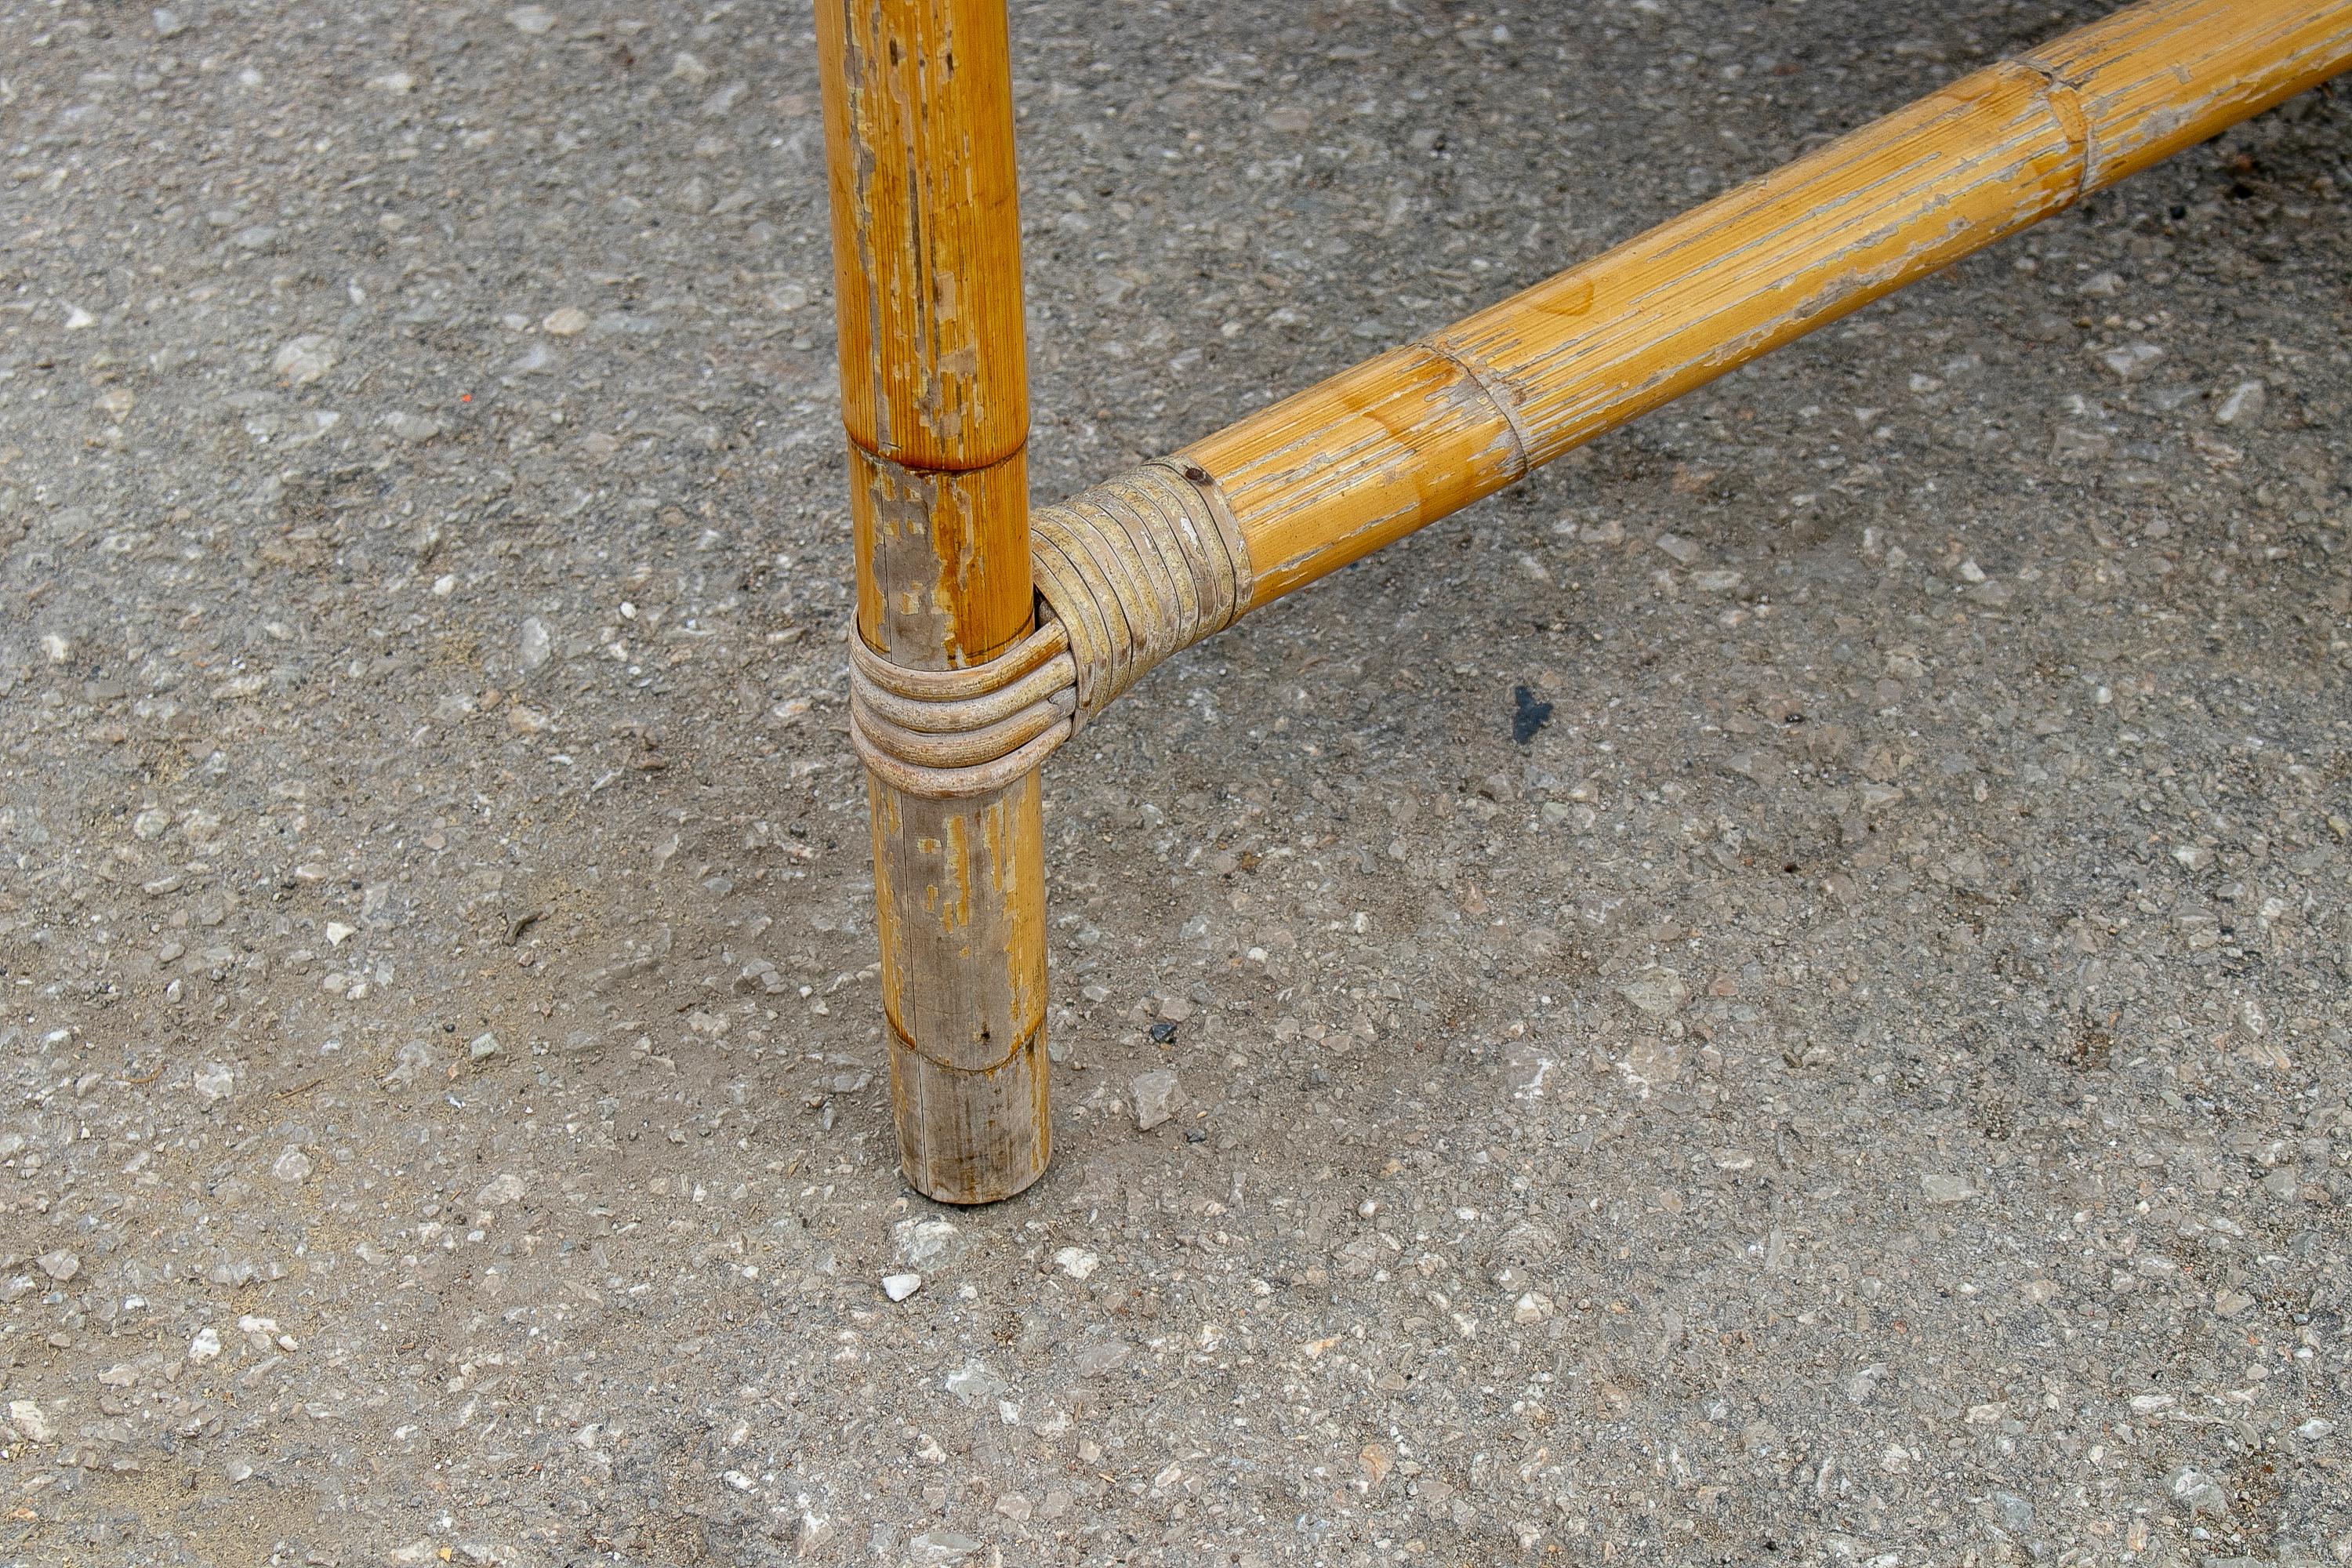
918 132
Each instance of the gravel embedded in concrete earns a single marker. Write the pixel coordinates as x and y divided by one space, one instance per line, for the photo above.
1776 994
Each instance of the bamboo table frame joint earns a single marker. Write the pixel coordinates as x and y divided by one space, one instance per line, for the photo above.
988 635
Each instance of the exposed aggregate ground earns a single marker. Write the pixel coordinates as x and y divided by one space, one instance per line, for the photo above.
1865 1082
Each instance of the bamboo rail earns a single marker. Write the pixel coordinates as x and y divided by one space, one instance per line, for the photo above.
957 697
1337 471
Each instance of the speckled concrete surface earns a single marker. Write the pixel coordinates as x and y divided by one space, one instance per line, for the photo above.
1865 1081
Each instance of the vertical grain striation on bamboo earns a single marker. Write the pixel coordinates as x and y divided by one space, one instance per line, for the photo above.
927 266
1344 467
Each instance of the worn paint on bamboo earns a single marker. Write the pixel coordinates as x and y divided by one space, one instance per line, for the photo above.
924 198
927 287
928 540
959 898
962 945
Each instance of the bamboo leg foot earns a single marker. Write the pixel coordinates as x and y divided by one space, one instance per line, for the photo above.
958 888
971 1137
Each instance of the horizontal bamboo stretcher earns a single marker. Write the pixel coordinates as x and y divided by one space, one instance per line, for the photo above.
1135 569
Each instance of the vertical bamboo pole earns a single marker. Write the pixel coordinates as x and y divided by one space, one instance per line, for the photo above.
927 266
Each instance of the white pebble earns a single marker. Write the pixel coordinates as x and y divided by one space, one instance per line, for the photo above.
2244 405
303 359
1155 1098
504 1189
1940 1188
